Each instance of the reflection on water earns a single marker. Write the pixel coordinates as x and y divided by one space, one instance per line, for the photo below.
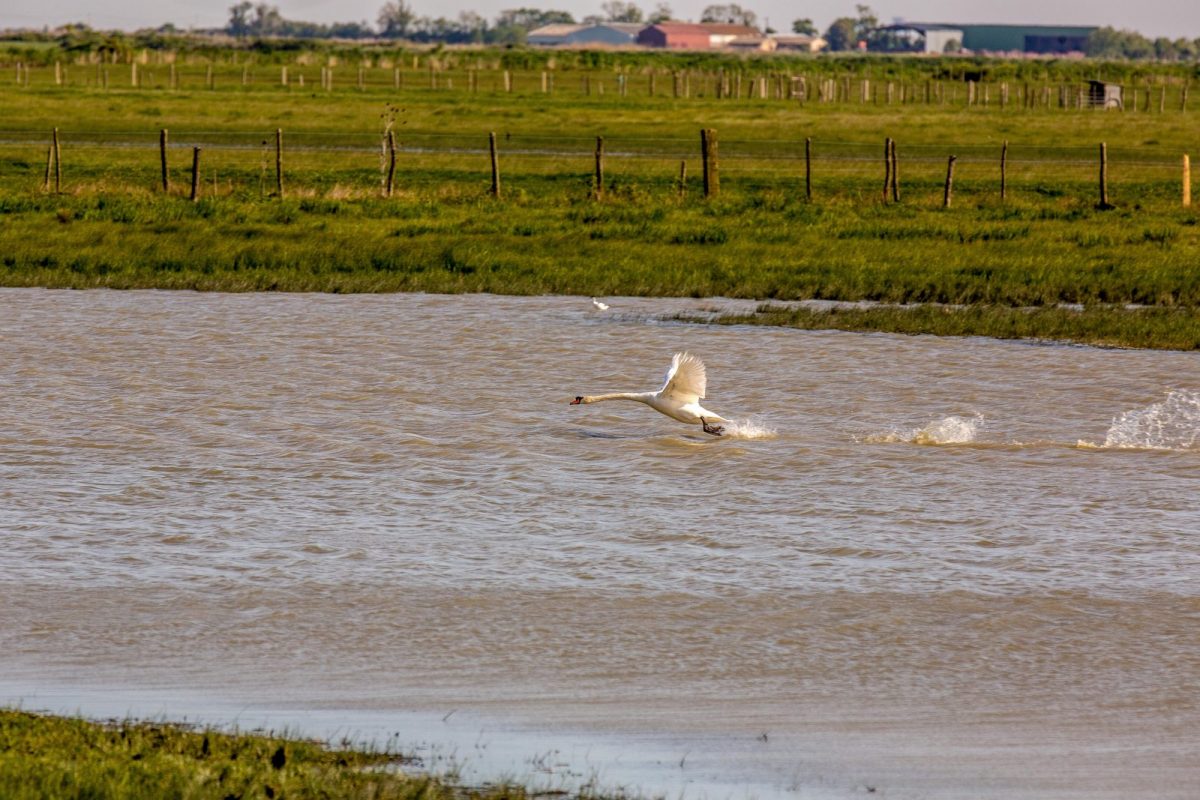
380 510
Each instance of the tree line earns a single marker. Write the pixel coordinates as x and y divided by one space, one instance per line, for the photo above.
397 20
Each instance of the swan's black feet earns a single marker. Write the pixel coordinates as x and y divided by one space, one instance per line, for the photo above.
715 430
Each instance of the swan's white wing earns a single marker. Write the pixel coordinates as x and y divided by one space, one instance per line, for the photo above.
686 380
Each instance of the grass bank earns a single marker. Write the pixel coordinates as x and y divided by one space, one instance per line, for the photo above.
1104 326
1043 244
47 758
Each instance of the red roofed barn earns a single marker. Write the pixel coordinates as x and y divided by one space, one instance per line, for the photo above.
675 36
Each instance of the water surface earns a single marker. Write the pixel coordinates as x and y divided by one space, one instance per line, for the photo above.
931 567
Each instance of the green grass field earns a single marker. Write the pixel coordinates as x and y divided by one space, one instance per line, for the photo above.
1044 244
54 758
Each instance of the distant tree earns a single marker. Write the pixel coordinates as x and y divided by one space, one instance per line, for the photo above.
1111 43
619 11
731 13
395 19
840 36
662 13
594 19
239 19
1164 49
530 18
472 26
267 20
804 26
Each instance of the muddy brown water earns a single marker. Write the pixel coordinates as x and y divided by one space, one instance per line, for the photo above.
928 567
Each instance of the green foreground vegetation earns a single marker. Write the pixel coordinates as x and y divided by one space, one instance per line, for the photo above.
992 259
48 758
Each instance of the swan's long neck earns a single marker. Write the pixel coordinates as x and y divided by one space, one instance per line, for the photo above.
641 397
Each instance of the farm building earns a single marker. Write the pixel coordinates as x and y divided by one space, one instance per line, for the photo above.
752 44
611 34
798 42
933 37
721 33
675 36
551 35
1104 95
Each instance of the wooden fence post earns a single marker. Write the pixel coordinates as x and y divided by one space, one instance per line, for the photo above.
391 173
1187 182
599 167
808 169
195 174
683 178
887 168
49 166
495 165
162 152
57 162
895 174
1104 205
279 161
1004 170
946 197
708 153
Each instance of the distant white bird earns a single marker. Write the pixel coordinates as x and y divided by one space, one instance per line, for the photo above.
599 305
679 398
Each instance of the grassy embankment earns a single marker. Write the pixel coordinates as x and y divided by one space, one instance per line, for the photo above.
47 758
1045 244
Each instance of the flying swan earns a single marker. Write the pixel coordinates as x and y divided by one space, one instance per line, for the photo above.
679 398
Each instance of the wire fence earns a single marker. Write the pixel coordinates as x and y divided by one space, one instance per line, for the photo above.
344 163
750 79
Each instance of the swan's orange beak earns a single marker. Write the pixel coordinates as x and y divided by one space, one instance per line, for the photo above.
576 401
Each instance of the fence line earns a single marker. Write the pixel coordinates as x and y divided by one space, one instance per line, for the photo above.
748 81
748 163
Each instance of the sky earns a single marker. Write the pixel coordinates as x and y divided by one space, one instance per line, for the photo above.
1171 18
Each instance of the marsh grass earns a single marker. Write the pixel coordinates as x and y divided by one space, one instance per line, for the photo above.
1106 326
46 758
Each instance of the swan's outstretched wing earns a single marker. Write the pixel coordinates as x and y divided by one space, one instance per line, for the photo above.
686 380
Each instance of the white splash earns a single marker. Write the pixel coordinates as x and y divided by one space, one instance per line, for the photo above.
949 430
752 428
1173 424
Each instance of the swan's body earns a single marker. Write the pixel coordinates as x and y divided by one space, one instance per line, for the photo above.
679 398
599 305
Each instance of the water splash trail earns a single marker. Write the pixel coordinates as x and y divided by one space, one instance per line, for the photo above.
948 430
750 428
1172 424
